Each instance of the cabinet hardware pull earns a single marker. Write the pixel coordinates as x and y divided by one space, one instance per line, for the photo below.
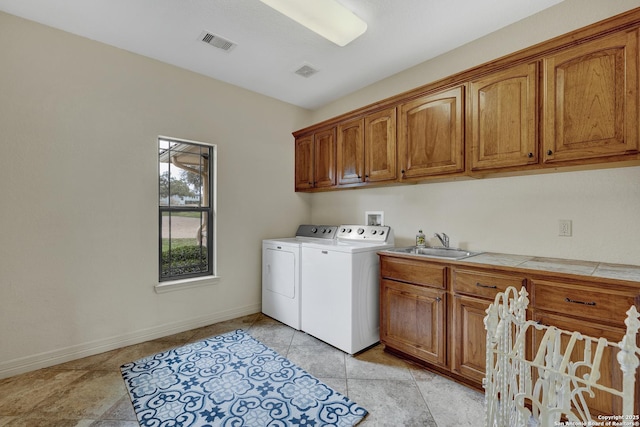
530 155
438 299
549 152
592 303
480 285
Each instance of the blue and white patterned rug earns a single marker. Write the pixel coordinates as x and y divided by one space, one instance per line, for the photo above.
232 380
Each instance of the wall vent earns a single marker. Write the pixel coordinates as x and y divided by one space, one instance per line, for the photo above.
217 41
306 71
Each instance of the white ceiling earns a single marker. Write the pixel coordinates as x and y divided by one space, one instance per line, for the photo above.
270 47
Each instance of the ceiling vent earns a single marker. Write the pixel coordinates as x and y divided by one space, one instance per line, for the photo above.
306 71
217 41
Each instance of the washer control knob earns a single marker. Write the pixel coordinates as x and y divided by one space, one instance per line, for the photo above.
374 232
314 230
381 232
360 230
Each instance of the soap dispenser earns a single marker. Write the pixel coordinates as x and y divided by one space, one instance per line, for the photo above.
420 239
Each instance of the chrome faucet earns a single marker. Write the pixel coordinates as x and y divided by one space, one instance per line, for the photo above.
444 239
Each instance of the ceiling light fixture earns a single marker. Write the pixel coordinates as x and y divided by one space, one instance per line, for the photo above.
328 18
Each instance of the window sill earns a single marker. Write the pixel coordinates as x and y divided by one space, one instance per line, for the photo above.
178 285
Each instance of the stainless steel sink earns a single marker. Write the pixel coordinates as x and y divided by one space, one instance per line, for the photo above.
448 253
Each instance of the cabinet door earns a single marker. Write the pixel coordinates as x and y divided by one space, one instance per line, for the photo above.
610 374
590 99
304 163
474 291
431 137
412 320
380 146
468 338
324 158
503 118
350 158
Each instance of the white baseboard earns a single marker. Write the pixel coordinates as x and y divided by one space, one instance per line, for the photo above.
78 351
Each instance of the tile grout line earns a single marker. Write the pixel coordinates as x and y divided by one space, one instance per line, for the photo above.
426 404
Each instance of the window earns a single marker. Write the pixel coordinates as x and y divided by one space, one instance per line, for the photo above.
186 209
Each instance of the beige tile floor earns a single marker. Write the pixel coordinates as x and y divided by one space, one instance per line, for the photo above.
91 392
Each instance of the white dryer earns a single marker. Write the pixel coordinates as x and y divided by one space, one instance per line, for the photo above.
340 299
281 274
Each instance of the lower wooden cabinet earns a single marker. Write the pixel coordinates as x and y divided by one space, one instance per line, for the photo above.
610 374
433 312
473 291
594 310
413 320
468 337
593 303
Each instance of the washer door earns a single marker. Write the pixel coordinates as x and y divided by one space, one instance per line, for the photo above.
279 272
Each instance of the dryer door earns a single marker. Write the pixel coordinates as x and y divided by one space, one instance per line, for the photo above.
279 271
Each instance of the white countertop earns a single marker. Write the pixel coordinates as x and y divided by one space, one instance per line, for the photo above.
582 268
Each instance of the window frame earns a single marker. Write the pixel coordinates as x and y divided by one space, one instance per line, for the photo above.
190 279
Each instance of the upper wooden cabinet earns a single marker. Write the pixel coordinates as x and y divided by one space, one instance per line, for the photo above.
380 145
503 125
304 163
431 134
350 159
367 148
324 158
316 160
570 102
590 99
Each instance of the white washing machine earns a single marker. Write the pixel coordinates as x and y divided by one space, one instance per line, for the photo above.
281 275
340 299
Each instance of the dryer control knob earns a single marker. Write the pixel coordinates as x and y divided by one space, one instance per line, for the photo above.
360 230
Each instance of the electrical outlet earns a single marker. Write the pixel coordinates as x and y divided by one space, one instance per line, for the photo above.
564 227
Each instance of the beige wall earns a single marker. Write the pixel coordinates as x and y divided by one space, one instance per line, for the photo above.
517 215
79 122
78 188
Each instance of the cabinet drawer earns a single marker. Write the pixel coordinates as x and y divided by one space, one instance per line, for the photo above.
410 271
484 284
586 301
